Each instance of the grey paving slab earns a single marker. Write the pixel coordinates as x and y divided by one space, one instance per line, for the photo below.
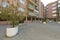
34 31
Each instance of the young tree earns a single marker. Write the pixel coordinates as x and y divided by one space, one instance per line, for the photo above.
11 14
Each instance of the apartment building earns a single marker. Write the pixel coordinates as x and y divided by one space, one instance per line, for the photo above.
41 10
51 10
44 15
20 4
32 10
59 10
29 8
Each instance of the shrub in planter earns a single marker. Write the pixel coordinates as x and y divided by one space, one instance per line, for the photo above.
14 21
11 14
3 15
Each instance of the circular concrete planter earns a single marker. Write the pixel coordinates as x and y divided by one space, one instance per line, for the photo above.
44 22
59 22
11 31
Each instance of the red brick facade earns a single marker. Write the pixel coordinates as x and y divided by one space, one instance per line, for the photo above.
51 8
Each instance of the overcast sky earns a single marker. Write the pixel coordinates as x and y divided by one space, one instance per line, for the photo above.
47 1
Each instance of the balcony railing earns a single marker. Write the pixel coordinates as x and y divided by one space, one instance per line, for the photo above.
35 10
36 13
33 2
31 13
36 1
30 7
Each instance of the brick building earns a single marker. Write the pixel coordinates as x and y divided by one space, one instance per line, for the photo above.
52 10
31 9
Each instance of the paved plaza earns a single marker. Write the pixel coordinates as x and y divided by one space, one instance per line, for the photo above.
34 31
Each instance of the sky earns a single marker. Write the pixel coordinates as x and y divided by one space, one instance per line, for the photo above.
45 2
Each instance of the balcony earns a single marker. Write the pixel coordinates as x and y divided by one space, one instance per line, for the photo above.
59 12
35 10
54 8
33 3
58 8
36 1
30 7
58 1
58 5
54 15
54 11
36 13
31 13
36 7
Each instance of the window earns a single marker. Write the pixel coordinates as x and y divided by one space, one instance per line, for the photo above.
21 9
21 1
54 8
54 11
4 4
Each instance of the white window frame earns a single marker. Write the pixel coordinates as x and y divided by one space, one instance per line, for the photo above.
4 4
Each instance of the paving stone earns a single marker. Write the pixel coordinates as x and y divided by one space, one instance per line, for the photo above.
34 31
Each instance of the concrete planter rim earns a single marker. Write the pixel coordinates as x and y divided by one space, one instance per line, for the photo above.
10 30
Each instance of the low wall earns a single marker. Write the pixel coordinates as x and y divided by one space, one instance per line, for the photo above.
27 21
4 22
